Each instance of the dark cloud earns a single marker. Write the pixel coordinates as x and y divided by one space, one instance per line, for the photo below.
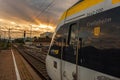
32 10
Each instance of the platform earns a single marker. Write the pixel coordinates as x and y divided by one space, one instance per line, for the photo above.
14 67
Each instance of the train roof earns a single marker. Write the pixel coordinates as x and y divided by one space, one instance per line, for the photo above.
79 6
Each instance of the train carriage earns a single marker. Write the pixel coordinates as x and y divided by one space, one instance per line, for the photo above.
86 43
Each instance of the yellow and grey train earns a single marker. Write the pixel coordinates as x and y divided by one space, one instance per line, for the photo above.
86 42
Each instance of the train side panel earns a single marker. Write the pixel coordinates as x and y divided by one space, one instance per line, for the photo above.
91 50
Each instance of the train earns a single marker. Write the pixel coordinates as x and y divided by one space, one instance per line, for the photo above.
86 42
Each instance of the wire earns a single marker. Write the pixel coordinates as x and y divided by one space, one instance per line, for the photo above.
49 5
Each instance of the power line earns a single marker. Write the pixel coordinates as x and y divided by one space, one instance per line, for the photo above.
40 15
45 9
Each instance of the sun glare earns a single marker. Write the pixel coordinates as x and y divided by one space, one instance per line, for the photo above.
13 23
17 28
46 26
43 26
1 20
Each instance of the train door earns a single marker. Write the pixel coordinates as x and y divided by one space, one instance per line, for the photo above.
54 59
70 55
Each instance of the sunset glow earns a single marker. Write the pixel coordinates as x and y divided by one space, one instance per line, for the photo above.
32 16
13 23
1 20
18 29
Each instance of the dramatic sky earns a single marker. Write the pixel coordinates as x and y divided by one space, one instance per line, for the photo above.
42 15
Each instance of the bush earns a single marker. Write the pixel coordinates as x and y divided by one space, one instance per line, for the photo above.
4 45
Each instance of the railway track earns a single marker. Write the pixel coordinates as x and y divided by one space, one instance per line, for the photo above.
36 60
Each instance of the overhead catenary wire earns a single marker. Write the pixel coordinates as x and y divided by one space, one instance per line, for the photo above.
40 7
7 28
42 11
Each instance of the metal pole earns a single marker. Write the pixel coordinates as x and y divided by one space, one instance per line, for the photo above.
0 32
24 36
31 33
9 34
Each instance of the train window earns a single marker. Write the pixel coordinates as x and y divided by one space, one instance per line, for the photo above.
69 51
61 35
101 43
73 34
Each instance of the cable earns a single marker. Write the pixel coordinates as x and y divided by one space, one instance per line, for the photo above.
45 9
